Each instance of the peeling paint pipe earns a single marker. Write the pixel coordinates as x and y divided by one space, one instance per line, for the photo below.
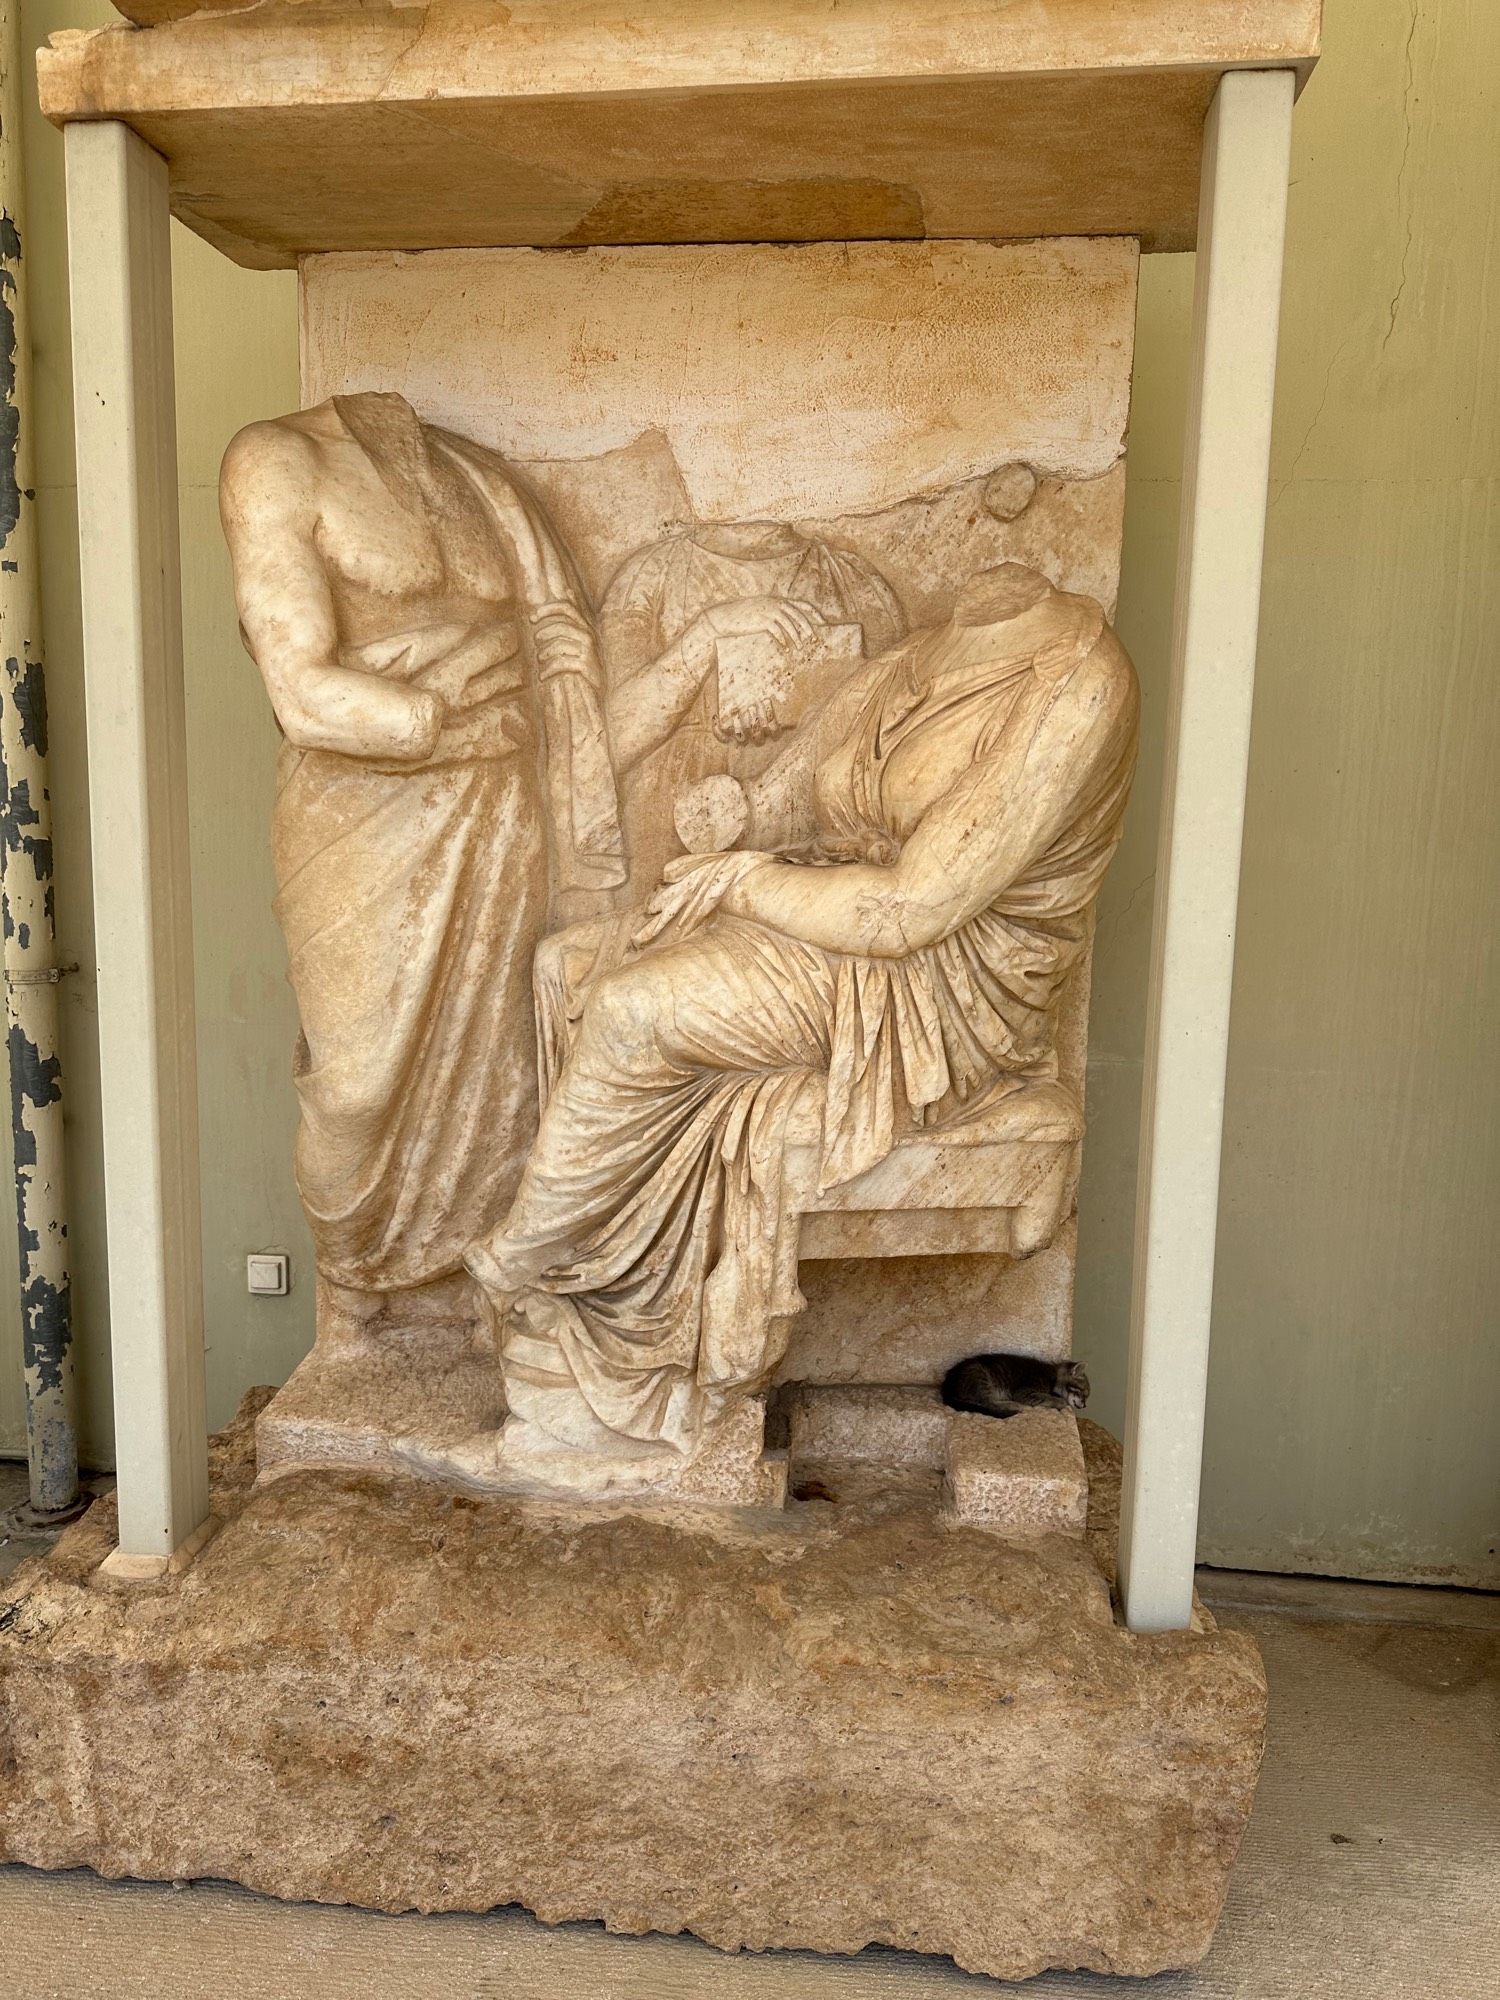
30 959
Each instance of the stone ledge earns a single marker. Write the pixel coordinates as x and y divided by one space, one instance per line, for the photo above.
855 1722
864 1422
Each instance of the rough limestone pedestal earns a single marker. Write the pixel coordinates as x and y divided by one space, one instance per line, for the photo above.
853 1721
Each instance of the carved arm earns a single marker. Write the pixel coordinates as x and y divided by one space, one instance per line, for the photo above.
269 507
973 844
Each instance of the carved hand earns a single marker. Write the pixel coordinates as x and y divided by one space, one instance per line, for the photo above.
476 669
564 643
787 619
757 723
692 888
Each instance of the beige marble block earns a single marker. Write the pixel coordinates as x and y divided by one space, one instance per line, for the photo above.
809 383
703 743
1021 1475
911 414
861 1423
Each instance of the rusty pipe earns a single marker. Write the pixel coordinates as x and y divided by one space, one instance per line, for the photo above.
26 913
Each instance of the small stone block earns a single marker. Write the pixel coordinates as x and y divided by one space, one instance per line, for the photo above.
868 1423
1022 1475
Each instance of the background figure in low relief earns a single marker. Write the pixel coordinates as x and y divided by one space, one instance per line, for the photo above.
887 951
689 606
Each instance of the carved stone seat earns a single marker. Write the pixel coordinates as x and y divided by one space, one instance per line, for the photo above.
1000 1181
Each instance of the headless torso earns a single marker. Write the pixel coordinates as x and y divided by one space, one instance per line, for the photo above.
380 600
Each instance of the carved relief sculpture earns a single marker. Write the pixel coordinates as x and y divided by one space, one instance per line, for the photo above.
766 605
616 1123
445 779
884 955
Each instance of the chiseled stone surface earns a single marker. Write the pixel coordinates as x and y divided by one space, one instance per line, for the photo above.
883 1422
851 1722
686 121
1023 1475
692 582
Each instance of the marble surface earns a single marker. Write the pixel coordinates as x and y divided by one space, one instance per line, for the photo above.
671 121
744 583
1023 1475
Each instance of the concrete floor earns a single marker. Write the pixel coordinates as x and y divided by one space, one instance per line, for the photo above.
1371 1868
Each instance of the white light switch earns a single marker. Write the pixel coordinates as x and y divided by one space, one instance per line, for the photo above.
268 1273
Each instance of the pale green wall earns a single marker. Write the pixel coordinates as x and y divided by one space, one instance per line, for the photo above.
1354 1402
1356 1380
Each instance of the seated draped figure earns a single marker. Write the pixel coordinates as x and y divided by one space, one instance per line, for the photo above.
881 932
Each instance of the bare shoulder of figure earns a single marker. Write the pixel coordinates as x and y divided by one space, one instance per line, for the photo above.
270 473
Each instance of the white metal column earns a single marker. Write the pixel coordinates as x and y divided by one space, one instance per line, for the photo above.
1242 226
121 281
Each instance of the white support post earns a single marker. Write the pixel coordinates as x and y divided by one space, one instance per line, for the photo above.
121 279
1242 226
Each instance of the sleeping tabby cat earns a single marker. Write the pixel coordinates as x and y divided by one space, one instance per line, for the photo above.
1001 1385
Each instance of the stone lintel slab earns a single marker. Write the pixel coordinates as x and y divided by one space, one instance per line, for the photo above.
434 49
855 1722
1022 1475
292 129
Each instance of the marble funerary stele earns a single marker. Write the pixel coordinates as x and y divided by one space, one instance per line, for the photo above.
645 896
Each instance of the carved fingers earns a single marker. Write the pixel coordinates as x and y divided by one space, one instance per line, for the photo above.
756 723
785 618
476 668
564 642
692 888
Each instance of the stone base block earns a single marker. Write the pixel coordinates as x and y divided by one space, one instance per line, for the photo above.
425 1363
1023 1475
730 1467
855 1721
410 1387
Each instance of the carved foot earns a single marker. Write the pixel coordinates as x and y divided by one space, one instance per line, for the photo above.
523 1457
629 1466
475 1462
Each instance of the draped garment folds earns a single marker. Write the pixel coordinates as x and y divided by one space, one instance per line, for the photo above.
412 898
647 1269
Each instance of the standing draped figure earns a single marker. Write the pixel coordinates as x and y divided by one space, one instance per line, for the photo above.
434 675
